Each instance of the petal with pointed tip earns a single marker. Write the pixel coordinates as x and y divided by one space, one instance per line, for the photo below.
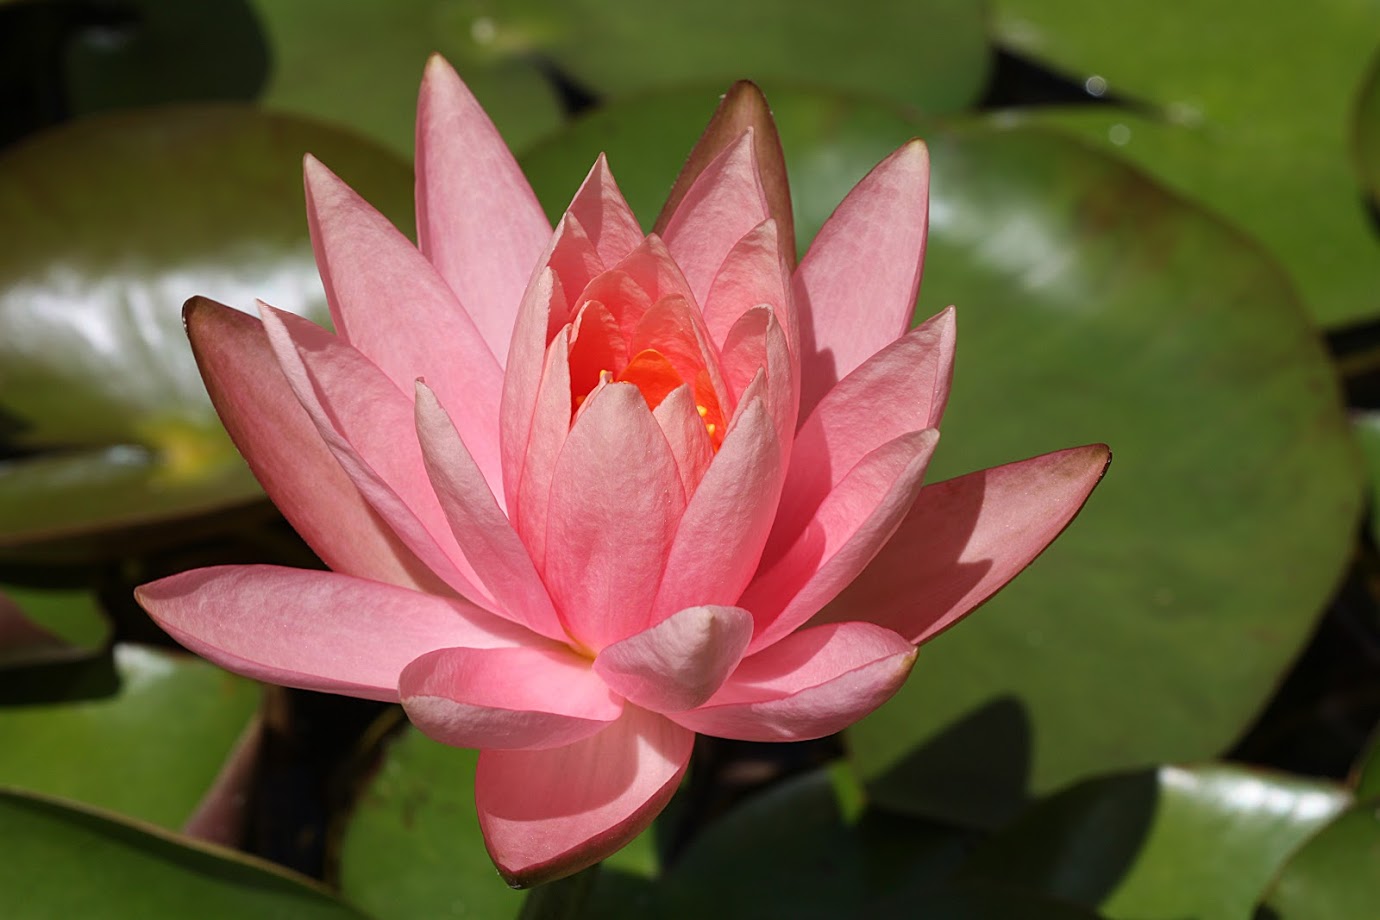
681 661
615 501
901 388
507 699
810 684
848 529
725 203
546 814
965 538
741 108
360 415
604 214
855 289
757 345
287 454
720 536
753 273
316 630
481 529
390 303
478 221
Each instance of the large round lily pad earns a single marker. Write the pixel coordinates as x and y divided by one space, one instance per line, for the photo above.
112 223
67 861
1093 305
1335 875
151 751
1200 841
1246 108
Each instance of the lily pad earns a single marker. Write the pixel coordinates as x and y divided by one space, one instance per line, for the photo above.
1199 841
150 751
1217 115
1335 875
115 221
1366 131
1366 774
75 862
1093 305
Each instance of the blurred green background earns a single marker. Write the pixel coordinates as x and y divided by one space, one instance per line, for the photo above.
1160 223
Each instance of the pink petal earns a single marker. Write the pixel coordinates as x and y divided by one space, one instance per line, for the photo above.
550 427
482 531
757 343
725 203
855 289
754 272
685 434
477 219
615 501
570 262
848 530
965 538
287 454
653 269
720 537
546 814
391 304
901 388
316 630
368 425
508 699
673 327
604 214
810 684
681 661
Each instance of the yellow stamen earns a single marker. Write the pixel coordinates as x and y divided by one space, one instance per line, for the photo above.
702 411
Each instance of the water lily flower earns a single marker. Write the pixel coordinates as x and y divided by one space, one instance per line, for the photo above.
584 493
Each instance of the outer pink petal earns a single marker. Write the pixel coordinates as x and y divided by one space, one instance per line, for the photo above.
615 501
681 661
287 454
810 684
720 537
368 425
481 529
477 219
316 630
855 289
965 538
390 303
725 203
901 388
848 530
507 699
600 208
753 272
546 814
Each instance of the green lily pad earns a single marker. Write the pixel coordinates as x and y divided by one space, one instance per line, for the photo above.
1092 306
1366 130
68 861
150 751
364 69
114 222
1335 875
1221 118
1199 841
1366 774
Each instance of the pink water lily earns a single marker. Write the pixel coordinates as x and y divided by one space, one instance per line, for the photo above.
586 492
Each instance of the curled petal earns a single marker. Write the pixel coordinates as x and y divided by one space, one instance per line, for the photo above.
316 630
810 684
681 661
965 538
287 454
546 814
855 289
507 699
477 219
